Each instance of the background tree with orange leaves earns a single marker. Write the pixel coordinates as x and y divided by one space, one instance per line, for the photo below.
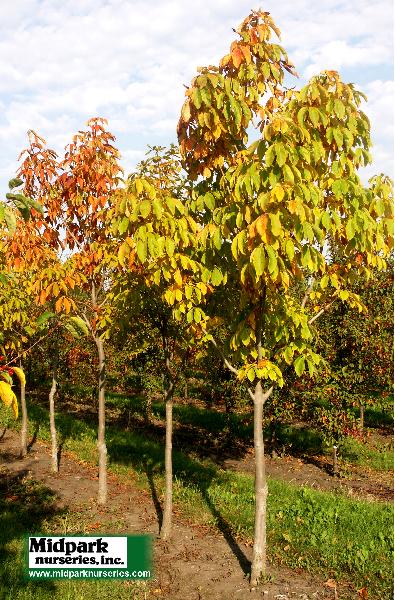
76 193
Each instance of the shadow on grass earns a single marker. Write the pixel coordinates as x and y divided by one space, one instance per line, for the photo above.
24 506
34 437
148 457
148 470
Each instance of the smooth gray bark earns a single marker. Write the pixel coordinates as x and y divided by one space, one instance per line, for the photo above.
168 503
101 433
258 564
52 425
165 531
361 417
24 423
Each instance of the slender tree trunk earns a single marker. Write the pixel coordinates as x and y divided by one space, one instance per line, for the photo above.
335 466
165 531
148 408
168 504
52 425
361 417
101 434
24 424
258 565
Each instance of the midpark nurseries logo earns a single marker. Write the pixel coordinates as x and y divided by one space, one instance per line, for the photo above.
88 557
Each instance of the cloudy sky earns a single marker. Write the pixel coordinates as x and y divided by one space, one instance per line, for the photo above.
64 62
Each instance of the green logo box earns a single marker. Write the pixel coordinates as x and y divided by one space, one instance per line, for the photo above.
73 556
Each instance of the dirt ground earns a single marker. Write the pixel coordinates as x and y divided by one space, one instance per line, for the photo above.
197 564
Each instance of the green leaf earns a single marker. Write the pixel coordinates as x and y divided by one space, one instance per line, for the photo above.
258 260
15 182
308 231
288 355
145 208
326 220
170 246
196 98
338 136
216 276
350 229
123 225
10 219
272 259
6 377
209 201
270 155
43 318
281 153
339 108
288 175
79 325
290 249
301 116
299 365
142 250
314 115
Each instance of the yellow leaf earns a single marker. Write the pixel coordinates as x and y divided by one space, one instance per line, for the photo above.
261 224
279 192
8 397
186 111
20 374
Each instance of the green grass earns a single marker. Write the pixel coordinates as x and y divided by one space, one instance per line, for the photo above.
210 420
379 457
318 531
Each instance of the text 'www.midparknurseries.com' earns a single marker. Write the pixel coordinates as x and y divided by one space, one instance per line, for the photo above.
88 557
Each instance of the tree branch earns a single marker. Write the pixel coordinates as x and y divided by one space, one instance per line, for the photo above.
325 308
222 355
32 346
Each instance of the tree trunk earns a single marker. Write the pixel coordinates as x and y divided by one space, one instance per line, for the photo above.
168 504
335 466
361 417
148 416
258 565
101 434
52 426
24 423
169 381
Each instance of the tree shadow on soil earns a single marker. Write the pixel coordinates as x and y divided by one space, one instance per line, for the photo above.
34 437
149 459
24 506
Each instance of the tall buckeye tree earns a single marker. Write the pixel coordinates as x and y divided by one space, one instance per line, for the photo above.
273 207
161 277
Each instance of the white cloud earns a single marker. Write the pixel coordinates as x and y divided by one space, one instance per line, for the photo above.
128 60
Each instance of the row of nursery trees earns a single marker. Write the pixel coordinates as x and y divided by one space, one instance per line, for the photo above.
240 240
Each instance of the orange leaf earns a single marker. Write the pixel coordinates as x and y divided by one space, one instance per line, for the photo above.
247 54
261 224
58 304
237 57
67 305
186 111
